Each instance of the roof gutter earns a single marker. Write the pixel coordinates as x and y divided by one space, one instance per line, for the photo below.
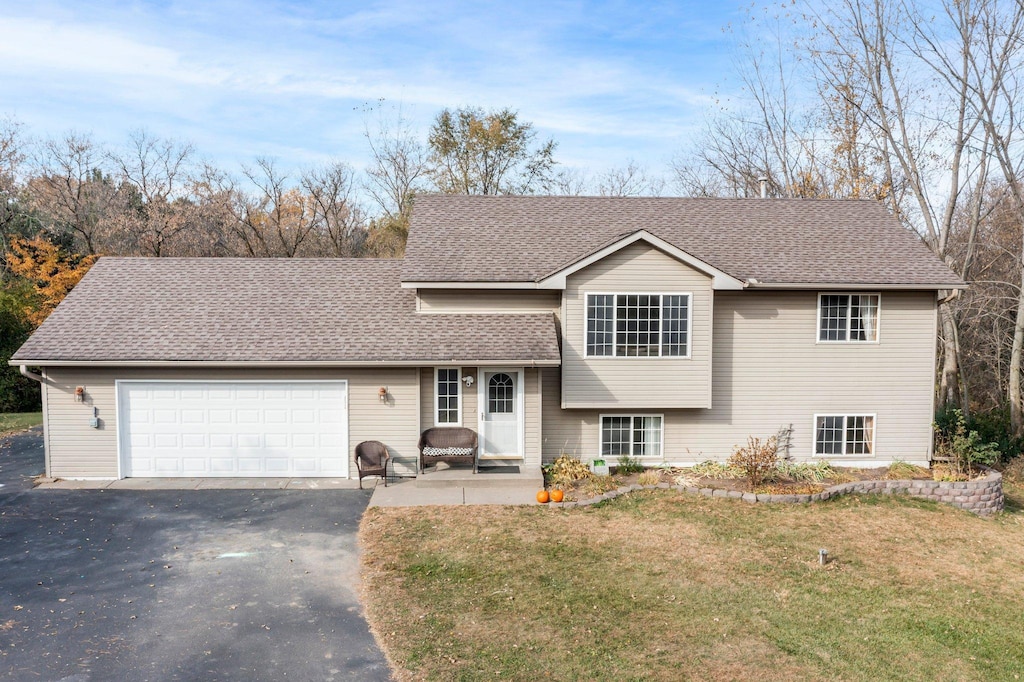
835 286
353 364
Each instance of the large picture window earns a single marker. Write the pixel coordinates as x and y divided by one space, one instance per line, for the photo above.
631 435
848 317
638 325
844 434
447 384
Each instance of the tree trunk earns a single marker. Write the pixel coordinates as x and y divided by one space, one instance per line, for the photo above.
950 371
1016 420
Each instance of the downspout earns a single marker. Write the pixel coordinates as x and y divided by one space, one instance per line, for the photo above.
23 369
34 376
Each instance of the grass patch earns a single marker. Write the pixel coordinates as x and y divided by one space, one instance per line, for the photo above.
661 586
19 421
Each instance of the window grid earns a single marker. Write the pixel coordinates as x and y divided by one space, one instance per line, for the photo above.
447 396
638 322
675 332
638 325
636 436
500 394
844 434
601 325
848 317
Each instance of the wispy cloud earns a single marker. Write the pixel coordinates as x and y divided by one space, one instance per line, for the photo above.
611 81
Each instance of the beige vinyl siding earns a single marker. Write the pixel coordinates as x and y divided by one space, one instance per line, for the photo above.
771 373
427 398
532 403
487 301
78 451
636 383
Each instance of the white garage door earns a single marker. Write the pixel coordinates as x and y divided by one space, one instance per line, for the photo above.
233 428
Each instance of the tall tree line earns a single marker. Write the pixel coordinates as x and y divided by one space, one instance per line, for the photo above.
912 104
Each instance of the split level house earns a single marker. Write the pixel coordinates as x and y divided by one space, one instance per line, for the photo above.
666 329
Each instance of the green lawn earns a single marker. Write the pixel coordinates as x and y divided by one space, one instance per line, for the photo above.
18 421
666 586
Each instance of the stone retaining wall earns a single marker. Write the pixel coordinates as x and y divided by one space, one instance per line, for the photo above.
982 496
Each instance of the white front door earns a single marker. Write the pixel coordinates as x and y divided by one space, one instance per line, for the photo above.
501 413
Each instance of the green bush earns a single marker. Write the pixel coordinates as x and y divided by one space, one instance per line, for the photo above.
965 448
17 394
629 465
992 426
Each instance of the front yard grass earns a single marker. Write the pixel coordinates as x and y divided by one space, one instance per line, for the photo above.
18 421
665 586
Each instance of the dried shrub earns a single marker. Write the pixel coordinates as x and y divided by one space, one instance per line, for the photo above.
1014 471
565 471
599 485
902 470
712 469
803 472
756 459
649 477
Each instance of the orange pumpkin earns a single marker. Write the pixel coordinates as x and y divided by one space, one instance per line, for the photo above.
542 496
556 495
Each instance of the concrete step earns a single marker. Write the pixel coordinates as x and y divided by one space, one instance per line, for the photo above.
503 477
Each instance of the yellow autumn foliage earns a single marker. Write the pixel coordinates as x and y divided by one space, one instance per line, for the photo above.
52 271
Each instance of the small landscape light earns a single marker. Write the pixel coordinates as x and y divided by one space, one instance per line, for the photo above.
822 556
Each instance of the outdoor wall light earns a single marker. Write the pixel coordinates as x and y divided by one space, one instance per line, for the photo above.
79 394
382 393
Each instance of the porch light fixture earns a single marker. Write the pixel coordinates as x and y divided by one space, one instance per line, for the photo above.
79 394
382 393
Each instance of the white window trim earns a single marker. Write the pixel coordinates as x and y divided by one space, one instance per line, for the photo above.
600 436
689 326
849 341
845 416
458 397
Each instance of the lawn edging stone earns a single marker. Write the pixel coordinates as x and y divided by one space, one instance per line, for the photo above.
983 496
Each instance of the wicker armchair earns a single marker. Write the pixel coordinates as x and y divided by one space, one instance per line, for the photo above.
372 460
448 444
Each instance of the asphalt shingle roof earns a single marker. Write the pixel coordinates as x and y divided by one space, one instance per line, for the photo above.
793 241
270 310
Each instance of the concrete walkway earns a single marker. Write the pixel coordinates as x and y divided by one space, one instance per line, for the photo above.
204 484
405 493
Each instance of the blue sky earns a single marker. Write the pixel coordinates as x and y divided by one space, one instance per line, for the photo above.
609 81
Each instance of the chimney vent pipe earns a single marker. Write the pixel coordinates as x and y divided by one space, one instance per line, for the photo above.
764 186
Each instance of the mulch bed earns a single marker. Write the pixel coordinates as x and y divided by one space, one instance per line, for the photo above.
583 490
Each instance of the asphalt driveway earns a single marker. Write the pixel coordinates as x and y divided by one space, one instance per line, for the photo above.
177 585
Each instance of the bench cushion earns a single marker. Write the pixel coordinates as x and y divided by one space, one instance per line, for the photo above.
429 451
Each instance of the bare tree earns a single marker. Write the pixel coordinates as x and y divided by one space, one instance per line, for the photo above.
400 165
631 180
162 175
12 156
73 190
338 221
